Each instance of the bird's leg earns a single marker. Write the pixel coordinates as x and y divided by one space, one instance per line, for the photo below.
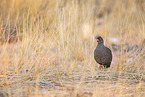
105 69
101 66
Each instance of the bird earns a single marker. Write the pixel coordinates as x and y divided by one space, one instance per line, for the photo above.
102 54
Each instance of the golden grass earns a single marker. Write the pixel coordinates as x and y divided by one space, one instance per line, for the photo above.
53 54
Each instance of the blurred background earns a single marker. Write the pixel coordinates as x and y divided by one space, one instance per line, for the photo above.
46 47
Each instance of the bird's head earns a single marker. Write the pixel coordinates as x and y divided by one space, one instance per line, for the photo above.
99 39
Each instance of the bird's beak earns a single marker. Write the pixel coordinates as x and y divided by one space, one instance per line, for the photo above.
97 40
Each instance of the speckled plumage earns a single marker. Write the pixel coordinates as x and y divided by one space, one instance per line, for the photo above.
102 54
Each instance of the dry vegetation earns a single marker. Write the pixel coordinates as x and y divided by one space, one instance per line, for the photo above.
46 48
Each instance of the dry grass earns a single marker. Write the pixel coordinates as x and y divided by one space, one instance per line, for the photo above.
52 53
